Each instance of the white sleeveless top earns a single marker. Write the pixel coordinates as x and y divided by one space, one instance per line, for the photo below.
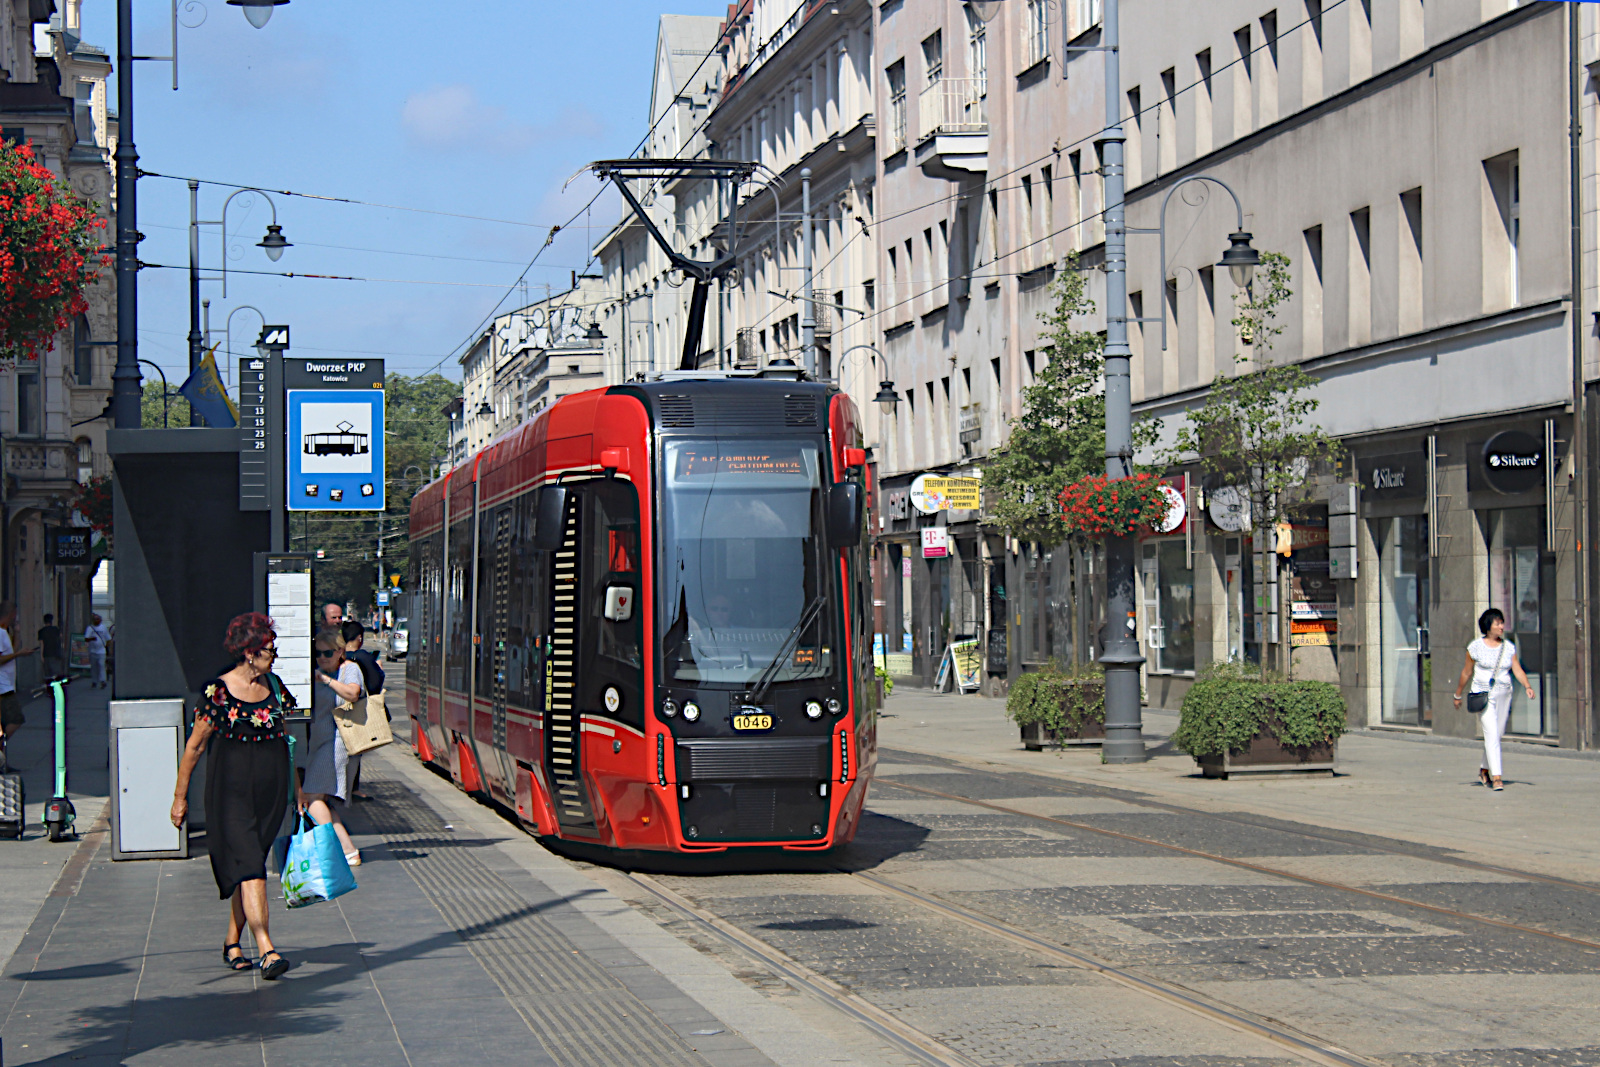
1484 656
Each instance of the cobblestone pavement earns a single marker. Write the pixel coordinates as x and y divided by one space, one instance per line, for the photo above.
1282 932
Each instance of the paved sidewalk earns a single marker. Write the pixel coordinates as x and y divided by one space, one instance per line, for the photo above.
466 942
28 868
1392 785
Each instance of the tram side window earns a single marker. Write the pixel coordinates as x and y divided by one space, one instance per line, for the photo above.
458 638
523 612
488 527
611 649
432 613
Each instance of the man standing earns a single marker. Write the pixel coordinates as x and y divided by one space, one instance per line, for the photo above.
98 639
11 719
332 616
50 644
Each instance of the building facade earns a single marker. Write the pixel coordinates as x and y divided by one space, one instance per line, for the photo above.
54 96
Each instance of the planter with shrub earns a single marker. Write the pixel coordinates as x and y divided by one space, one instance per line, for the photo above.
1236 722
1055 707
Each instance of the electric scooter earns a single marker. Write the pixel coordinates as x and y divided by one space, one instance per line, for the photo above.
59 814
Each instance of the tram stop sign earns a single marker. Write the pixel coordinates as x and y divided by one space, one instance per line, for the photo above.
335 444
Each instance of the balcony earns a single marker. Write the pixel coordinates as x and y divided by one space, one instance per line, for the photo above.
954 127
41 461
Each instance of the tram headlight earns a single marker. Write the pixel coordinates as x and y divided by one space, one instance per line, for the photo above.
669 708
813 709
691 712
834 707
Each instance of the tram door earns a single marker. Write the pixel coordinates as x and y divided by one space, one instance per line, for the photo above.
562 724
500 622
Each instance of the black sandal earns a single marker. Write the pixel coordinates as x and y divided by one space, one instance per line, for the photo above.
271 972
241 962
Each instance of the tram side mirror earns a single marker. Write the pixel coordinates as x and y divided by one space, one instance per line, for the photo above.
844 515
552 514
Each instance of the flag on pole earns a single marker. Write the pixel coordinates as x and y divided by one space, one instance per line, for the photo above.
206 395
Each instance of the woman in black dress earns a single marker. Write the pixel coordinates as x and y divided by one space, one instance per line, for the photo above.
247 782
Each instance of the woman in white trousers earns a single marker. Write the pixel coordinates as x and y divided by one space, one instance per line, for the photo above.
1491 661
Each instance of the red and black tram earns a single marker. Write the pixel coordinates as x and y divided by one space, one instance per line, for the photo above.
643 620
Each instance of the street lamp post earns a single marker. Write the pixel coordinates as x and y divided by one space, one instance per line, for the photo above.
1124 741
125 379
273 244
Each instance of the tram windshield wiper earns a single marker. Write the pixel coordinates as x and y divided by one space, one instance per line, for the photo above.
764 682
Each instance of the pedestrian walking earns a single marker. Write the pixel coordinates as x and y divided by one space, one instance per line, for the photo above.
98 639
239 725
332 616
55 665
1491 661
11 717
328 767
355 637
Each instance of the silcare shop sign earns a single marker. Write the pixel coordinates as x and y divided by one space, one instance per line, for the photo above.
335 446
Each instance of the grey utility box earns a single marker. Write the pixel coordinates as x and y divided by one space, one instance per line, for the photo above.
146 743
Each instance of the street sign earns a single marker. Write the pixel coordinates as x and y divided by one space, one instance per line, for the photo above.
336 449
383 597
301 373
66 545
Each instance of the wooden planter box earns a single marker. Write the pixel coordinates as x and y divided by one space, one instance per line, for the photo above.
1268 758
1035 737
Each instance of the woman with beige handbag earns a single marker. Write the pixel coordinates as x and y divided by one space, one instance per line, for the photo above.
334 681
355 639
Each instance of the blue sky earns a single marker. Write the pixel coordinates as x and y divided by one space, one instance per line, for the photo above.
480 109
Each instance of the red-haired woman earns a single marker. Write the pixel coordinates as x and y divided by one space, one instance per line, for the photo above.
247 782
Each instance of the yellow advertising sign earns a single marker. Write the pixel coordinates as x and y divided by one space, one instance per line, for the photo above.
931 494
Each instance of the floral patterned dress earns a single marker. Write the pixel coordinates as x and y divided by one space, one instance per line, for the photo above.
247 779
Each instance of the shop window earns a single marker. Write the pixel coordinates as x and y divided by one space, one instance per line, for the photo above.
1522 585
1168 606
1403 596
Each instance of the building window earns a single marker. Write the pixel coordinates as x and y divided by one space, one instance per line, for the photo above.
1085 15
85 459
933 58
30 404
1502 231
977 47
1035 33
896 75
82 352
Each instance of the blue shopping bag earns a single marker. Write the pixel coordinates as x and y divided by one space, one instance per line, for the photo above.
315 867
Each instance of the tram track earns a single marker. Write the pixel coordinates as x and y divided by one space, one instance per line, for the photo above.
1282 1035
1276 872
1045 785
928 1048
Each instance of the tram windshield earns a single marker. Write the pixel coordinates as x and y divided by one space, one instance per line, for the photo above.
743 557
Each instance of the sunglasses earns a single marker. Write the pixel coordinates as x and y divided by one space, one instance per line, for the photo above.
323 654
268 651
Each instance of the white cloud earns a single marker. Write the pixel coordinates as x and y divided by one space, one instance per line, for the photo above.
452 117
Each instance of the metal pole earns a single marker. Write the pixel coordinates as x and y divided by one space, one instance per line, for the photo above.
195 351
808 306
1583 646
1124 741
125 379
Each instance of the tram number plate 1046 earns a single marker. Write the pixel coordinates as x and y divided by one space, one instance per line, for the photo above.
752 722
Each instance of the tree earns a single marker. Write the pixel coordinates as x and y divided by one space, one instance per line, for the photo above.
1060 436
416 439
1253 427
151 411
48 241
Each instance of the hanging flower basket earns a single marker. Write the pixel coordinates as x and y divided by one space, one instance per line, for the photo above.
1097 507
48 253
